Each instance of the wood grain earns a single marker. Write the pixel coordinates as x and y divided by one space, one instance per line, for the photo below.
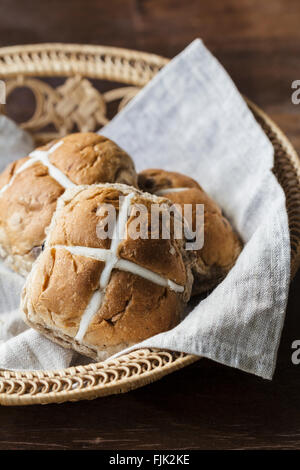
205 406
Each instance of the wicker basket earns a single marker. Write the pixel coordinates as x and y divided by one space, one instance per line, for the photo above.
77 104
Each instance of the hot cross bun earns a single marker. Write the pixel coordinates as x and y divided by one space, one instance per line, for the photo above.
100 294
221 243
30 187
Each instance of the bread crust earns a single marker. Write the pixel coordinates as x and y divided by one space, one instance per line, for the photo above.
221 246
28 201
61 284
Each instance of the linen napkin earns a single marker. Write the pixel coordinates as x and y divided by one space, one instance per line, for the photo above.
14 142
191 118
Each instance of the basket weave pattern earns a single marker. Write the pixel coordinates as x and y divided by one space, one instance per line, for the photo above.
78 104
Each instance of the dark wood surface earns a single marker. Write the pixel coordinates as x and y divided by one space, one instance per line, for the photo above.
205 406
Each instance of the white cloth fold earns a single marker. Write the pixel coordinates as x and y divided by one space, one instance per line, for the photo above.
14 143
191 118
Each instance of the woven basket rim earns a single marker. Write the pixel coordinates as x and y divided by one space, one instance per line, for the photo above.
143 365
80 48
59 59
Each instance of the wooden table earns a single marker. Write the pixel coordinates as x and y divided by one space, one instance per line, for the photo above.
205 406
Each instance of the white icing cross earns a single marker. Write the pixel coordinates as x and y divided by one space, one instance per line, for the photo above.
161 192
111 260
43 157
